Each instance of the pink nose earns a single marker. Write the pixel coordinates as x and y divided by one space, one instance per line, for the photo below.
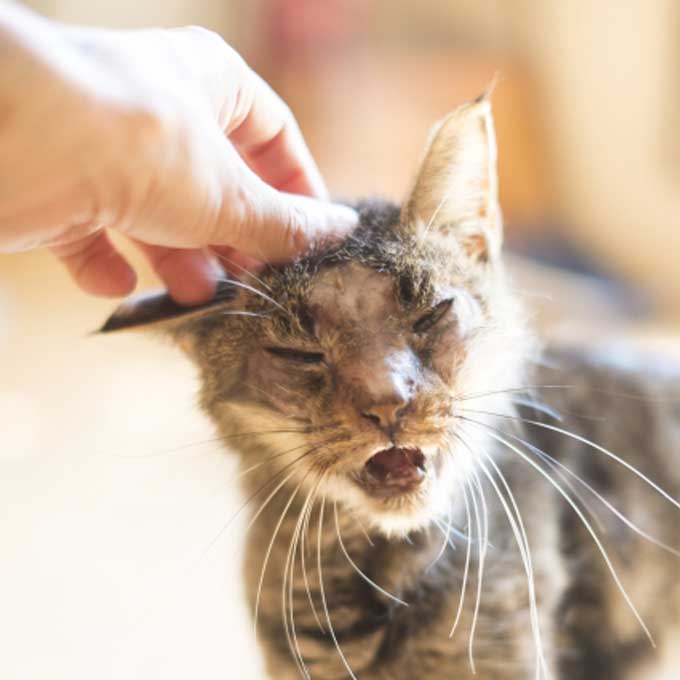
380 382
386 415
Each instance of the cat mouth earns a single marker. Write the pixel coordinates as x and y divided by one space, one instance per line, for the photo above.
394 471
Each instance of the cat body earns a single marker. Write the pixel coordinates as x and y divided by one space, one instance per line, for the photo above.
425 500
588 630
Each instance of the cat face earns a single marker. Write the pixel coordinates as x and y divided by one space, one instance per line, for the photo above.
374 382
345 371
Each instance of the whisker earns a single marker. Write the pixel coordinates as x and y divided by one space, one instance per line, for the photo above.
591 444
456 533
493 433
363 531
277 528
262 487
445 542
286 467
481 521
448 541
229 312
323 593
648 399
468 553
212 440
552 465
274 477
356 568
288 578
268 500
233 263
612 508
522 540
255 291
538 406
303 548
554 413
525 388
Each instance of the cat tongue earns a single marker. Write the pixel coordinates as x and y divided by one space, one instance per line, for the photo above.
397 466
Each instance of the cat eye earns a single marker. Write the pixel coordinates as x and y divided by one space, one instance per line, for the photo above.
296 355
427 321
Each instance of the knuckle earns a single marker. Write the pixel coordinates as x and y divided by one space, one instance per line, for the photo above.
239 214
145 126
203 33
295 230
286 113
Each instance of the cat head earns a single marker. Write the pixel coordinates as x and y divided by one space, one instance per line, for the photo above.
347 372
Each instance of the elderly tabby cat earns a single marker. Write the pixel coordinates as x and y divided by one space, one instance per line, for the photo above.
424 503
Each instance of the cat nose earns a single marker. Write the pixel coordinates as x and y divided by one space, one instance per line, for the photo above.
386 416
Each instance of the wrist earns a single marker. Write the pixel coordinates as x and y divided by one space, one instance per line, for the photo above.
70 132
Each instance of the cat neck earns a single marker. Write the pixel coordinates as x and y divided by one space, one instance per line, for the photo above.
332 546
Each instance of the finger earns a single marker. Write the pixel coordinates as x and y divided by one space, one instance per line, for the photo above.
269 139
275 227
256 120
190 275
96 266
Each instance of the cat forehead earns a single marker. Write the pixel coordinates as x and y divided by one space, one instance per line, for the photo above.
352 293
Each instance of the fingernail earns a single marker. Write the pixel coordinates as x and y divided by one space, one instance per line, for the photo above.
342 220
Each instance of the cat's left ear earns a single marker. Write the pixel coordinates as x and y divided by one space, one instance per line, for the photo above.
455 194
159 311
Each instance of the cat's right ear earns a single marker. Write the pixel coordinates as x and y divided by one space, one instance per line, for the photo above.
454 195
158 311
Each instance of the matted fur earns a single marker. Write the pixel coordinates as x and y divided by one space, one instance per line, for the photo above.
408 334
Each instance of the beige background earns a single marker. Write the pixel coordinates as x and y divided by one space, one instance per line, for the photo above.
110 501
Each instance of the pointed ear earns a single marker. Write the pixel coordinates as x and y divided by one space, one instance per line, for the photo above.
455 193
158 311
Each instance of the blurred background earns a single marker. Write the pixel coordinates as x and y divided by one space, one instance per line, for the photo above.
112 501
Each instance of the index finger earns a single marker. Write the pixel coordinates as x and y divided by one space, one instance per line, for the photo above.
269 139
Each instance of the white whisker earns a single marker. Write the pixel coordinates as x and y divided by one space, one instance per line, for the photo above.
277 528
356 568
526 388
581 516
252 275
539 406
468 553
613 509
445 542
593 445
288 578
259 293
303 559
348 668
482 523
519 531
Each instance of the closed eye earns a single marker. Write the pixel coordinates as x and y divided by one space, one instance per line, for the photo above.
296 355
427 321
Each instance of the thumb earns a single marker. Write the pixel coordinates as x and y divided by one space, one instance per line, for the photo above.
275 226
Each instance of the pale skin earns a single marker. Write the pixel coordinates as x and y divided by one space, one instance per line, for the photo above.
165 136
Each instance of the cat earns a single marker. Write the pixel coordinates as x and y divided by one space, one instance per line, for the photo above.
427 500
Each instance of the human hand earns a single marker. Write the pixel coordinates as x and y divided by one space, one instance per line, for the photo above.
163 135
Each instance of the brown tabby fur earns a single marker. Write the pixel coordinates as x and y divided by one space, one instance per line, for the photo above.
347 583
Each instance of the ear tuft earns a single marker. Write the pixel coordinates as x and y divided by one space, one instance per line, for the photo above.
455 193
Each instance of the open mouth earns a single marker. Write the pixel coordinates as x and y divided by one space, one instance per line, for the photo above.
393 471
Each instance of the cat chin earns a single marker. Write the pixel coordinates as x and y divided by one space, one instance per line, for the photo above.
416 514
399 516
395 525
